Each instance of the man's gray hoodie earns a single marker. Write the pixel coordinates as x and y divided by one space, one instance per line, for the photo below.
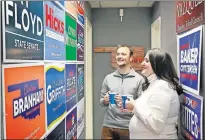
131 84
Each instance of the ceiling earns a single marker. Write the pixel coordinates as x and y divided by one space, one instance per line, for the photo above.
120 4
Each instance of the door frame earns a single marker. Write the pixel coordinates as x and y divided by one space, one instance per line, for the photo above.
88 80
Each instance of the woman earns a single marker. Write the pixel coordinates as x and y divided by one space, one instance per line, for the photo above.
156 110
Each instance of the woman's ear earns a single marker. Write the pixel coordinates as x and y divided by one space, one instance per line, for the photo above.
131 59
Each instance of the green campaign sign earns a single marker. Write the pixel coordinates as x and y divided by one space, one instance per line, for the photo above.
71 41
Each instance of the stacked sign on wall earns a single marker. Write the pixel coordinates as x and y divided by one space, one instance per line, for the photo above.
70 74
71 125
54 31
191 126
80 83
189 20
24 101
70 38
55 93
80 117
80 31
80 42
23 34
42 97
58 132
189 48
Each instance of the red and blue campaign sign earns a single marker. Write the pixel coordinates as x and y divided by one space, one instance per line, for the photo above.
71 81
23 31
80 8
71 125
189 54
54 31
191 116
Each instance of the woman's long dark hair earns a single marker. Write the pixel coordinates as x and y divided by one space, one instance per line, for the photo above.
163 67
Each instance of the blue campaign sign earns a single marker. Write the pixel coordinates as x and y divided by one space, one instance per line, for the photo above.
189 48
71 125
71 99
23 30
54 31
191 116
80 81
55 93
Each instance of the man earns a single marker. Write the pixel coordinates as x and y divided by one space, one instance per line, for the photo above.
123 81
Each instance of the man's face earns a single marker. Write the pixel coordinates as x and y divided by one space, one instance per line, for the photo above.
123 57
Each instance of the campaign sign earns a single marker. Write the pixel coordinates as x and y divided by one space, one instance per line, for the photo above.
80 8
55 93
189 14
189 54
24 101
70 37
70 7
58 133
191 117
23 36
80 117
71 125
62 2
71 99
54 31
80 42
80 81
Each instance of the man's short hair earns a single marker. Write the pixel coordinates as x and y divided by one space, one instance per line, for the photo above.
121 46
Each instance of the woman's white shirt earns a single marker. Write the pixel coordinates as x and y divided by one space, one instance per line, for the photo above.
155 112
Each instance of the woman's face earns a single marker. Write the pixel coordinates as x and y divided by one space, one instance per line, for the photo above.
146 66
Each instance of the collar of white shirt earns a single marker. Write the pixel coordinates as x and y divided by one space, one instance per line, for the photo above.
152 78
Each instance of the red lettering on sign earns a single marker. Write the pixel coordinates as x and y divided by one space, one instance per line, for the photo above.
53 22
